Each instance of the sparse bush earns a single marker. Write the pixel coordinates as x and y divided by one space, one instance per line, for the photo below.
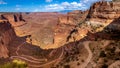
15 64
68 60
66 66
82 60
102 54
104 66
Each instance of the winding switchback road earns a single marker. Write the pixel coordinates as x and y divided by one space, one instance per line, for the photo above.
50 62
37 63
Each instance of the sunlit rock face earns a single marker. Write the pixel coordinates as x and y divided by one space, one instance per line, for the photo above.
6 36
15 19
101 16
104 16
73 18
104 13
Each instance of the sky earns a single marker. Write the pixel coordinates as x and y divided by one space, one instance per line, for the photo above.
44 5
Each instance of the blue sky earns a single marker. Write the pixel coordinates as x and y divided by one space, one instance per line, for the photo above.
43 5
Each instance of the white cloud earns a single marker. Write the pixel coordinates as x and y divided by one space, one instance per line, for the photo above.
2 2
85 1
65 6
54 7
17 7
36 10
81 5
48 0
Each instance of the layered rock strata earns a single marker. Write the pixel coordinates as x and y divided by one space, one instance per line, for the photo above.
6 36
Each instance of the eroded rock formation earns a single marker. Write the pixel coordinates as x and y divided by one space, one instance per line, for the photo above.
104 13
73 18
6 36
101 16
13 18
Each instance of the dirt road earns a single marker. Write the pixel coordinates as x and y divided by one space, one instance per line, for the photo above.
86 45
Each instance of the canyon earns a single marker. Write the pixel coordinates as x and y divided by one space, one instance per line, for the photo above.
78 39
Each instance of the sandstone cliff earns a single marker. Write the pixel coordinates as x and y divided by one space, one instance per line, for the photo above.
13 18
73 18
102 16
103 13
6 36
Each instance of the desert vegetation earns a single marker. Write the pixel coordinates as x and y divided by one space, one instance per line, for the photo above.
14 64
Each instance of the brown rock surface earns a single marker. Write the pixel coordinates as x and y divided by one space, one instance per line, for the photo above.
102 16
52 30
73 18
13 18
6 36
104 12
45 29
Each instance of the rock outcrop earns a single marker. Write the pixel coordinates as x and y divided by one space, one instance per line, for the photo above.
13 18
102 16
73 18
103 13
6 36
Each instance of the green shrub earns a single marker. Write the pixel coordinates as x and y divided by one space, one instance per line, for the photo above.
14 64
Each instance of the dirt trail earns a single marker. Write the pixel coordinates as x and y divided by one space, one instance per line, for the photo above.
116 64
38 62
19 48
50 62
84 65
33 58
23 58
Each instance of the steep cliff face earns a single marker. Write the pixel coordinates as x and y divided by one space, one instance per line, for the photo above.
73 18
103 13
16 20
13 18
6 36
109 10
102 16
